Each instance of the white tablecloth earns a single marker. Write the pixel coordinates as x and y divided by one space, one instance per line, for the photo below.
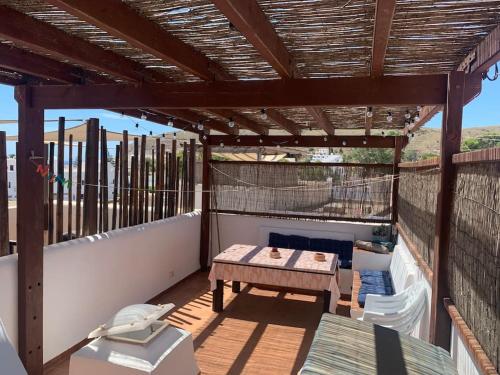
295 269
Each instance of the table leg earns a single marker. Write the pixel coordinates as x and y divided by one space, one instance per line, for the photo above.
218 297
236 287
327 295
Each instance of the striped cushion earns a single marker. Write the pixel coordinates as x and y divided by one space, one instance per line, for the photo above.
346 346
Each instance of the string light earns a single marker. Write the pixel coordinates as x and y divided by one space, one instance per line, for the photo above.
389 117
231 122
383 134
170 122
419 108
238 140
417 116
325 139
204 137
143 116
261 140
278 146
407 115
344 143
369 112
193 126
296 141
163 135
222 144
263 114
200 126
175 135
150 132
365 141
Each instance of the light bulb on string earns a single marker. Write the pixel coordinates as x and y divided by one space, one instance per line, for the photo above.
419 108
417 117
143 116
231 123
175 135
278 146
136 124
222 144
407 114
369 112
170 122
263 114
200 126
389 117
325 139
365 141
261 140
150 132
344 143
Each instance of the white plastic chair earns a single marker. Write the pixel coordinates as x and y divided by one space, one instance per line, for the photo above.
9 361
400 312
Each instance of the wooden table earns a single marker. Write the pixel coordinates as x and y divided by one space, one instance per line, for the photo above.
294 269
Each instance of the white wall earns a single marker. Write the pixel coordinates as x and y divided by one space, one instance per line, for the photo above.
88 279
461 355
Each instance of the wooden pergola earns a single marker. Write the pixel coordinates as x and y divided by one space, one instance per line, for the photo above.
278 73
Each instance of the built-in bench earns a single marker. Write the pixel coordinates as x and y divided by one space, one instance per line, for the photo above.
399 275
342 248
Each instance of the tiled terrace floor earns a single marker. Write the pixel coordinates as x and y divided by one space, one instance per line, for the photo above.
259 332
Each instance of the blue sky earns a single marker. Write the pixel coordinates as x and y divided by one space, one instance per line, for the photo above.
483 111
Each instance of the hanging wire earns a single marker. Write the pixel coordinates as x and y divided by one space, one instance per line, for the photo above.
495 75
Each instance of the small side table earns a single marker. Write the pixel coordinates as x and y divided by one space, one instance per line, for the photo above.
171 352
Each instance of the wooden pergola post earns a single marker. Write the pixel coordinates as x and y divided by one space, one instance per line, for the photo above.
398 146
205 209
4 197
451 133
30 219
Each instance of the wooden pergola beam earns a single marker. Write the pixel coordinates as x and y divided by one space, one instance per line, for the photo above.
241 120
41 37
353 91
451 136
250 20
384 13
194 118
120 20
115 17
481 58
321 119
303 141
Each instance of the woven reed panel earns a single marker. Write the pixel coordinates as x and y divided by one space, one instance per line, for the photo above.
74 26
474 262
308 190
430 36
417 208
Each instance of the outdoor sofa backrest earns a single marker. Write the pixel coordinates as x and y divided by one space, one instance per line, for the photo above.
402 270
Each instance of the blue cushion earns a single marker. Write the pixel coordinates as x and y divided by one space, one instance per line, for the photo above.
374 282
279 240
299 242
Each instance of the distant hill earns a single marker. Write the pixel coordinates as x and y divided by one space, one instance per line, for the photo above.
428 140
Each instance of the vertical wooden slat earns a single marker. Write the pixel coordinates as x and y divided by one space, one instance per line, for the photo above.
45 191
134 191
51 196
4 198
104 180
451 133
173 174
133 163
142 179
115 186
153 184
157 181
177 185
146 197
162 185
60 187
124 172
91 177
70 188
168 194
395 179
120 187
29 234
205 209
78 213
192 173
100 189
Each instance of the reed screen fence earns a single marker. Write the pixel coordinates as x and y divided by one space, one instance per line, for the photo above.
417 207
313 190
474 255
90 188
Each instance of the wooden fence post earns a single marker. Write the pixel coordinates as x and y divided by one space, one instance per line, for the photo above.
91 178
124 174
192 173
60 186
70 188
78 213
4 197
451 133
30 219
205 209
398 146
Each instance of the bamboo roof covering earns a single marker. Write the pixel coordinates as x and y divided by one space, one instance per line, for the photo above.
325 39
